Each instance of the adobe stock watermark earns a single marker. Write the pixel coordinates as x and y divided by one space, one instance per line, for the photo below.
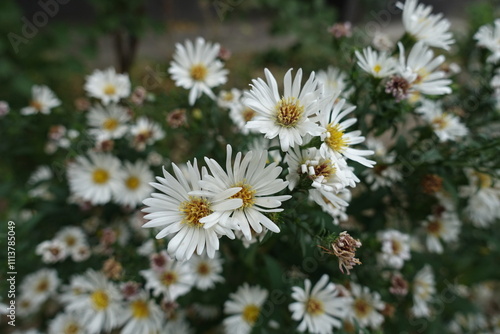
30 28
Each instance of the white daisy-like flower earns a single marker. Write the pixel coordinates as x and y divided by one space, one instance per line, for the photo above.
52 251
382 42
196 218
42 101
324 173
176 326
96 178
419 69
286 117
366 307
67 323
382 176
73 237
333 82
42 173
174 280
445 125
227 99
196 67
243 308
319 309
395 248
335 204
81 253
336 143
468 323
134 187
145 132
241 114
431 29
143 316
107 85
40 285
488 37
25 305
378 65
97 302
424 288
207 271
107 122
444 227
257 183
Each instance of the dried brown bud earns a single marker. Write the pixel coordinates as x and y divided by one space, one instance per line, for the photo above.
339 30
176 118
398 87
431 183
82 104
388 310
112 268
344 248
399 286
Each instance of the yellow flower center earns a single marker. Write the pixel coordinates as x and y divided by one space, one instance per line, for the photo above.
36 105
71 328
195 209
100 300
396 247
42 286
289 111
435 227
228 96
70 240
440 122
100 176
421 75
110 89
110 124
314 307
168 278
132 182
362 308
377 68
251 313
203 269
335 137
324 169
198 72
484 180
246 194
248 114
140 309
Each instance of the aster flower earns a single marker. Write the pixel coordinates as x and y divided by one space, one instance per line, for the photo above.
40 285
73 237
241 115
419 70
378 65
227 99
107 122
52 251
319 309
196 220
143 315
206 271
366 307
395 248
97 302
145 132
445 226
196 67
488 37
4 108
67 323
336 143
243 308
107 85
256 181
134 187
286 117
424 288
445 125
335 204
95 178
42 101
333 82
431 29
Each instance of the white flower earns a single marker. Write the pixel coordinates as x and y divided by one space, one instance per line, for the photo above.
97 302
52 251
445 125
206 271
26 305
424 288
42 173
333 82
335 204
145 132
382 41
319 309
96 178
73 238
379 65
227 99
197 220
67 323
143 316
196 67
107 122
243 308
395 248
257 183
42 100
365 307
174 280
335 141
134 187
241 114
107 85
488 37
286 117
40 285
419 69
431 29
444 227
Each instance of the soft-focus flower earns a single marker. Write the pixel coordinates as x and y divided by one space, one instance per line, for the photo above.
244 308
445 125
488 37
108 122
143 315
445 226
107 85
42 101
196 67
366 307
378 65
341 29
395 248
40 285
423 291
67 323
333 82
227 99
177 118
4 108
134 187
52 251
207 271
